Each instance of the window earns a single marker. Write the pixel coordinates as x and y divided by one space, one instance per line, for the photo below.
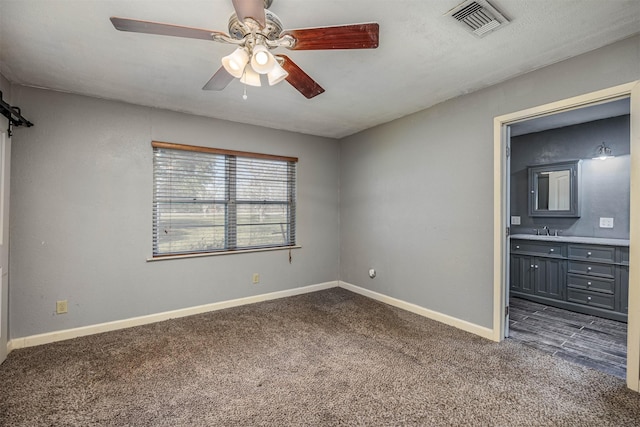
210 200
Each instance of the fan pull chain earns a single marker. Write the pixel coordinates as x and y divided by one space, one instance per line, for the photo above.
244 94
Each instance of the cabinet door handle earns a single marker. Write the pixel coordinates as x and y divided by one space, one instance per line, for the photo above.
550 250
588 283
536 266
588 298
517 246
588 253
588 268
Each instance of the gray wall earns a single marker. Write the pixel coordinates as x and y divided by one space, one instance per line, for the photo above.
412 198
416 199
81 214
604 186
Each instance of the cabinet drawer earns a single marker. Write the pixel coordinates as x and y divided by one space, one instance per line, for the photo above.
589 269
591 298
591 284
592 253
536 248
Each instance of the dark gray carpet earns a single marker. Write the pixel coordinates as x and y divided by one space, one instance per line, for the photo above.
327 358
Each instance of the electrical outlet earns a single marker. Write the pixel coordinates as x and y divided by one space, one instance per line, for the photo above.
606 222
515 220
61 306
256 278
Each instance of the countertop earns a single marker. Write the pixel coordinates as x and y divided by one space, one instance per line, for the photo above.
573 239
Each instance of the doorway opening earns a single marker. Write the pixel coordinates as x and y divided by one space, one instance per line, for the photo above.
564 265
565 203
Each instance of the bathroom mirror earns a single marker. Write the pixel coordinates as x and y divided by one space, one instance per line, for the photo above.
554 189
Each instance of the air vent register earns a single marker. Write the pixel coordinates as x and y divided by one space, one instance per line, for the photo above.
478 17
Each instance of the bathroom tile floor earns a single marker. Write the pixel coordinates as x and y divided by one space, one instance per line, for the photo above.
587 340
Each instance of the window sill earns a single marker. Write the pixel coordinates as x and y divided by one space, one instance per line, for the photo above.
239 251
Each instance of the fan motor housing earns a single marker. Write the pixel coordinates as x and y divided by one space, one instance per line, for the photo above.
271 31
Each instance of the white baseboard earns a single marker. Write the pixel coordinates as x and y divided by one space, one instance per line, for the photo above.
66 334
434 315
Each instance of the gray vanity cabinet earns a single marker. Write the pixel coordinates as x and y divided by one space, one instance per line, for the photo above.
624 289
549 277
591 279
623 278
592 273
538 269
521 279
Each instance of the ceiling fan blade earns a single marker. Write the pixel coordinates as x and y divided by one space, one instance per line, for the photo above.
250 9
219 81
150 27
299 79
355 36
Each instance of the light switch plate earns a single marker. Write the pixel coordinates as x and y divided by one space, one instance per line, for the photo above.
515 220
606 222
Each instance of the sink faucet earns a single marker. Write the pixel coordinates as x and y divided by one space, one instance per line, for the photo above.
547 232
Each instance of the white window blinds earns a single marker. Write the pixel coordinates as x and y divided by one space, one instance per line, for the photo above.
209 200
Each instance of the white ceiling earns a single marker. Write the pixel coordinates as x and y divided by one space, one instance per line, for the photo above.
424 57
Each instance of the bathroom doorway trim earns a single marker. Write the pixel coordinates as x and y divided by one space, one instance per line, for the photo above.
501 210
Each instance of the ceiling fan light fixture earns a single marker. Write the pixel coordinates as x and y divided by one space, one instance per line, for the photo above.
277 74
236 62
262 60
250 77
254 31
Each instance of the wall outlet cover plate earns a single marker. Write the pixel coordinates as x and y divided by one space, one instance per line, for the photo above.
606 222
61 307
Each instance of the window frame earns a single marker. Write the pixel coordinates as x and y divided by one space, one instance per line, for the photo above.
231 201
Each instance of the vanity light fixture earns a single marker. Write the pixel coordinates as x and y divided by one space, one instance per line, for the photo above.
603 152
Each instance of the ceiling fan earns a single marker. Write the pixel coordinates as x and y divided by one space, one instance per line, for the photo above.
255 31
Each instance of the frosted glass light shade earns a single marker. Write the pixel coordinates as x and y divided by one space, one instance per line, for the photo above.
277 74
250 77
236 62
603 153
262 60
